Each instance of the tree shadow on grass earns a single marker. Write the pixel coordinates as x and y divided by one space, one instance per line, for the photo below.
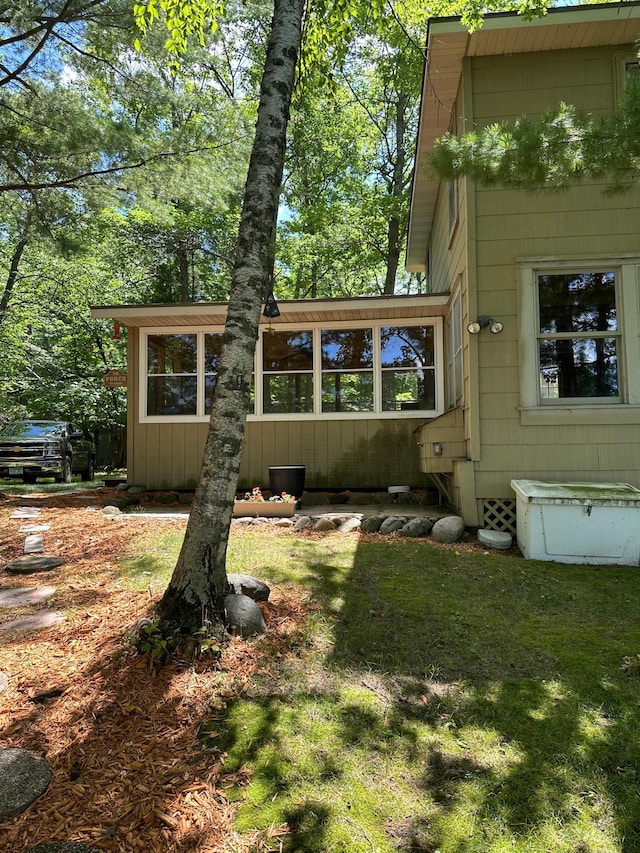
523 655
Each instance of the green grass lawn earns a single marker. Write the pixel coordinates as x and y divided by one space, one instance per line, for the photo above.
439 700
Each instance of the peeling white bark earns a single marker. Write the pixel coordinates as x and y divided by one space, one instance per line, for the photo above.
199 579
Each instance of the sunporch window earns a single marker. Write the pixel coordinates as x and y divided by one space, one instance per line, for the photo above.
287 372
408 368
347 370
172 380
212 352
364 369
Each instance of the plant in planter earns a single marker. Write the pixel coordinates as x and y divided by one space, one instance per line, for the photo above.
254 504
282 498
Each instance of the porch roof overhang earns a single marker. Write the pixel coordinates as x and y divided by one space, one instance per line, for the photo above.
297 311
449 43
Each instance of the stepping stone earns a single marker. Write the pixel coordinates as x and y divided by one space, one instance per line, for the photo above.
23 778
4 682
26 512
41 619
34 528
21 596
34 543
28 565
62 847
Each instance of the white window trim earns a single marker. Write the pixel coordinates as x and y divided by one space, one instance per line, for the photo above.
626 408
376 414
455 394
620 62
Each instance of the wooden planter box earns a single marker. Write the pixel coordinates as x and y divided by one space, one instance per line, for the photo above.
266 509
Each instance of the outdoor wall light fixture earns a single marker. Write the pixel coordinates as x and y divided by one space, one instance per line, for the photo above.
271 309
495 326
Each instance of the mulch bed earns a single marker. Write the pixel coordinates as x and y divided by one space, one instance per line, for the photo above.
129 771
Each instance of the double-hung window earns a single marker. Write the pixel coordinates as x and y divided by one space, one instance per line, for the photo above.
578 336
579 348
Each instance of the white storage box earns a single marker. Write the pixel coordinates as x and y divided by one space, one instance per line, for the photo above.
593 523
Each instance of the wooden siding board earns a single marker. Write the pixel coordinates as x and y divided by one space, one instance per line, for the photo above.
337 454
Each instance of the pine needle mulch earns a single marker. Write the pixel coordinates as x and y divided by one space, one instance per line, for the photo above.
129 771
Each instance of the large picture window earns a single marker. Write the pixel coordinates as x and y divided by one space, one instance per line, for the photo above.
358 370
577 336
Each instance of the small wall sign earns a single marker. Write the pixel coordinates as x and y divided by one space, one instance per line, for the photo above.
115 379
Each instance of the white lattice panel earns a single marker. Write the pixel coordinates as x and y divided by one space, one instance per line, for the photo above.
500 515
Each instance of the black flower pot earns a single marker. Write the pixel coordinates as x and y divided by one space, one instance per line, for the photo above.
289 479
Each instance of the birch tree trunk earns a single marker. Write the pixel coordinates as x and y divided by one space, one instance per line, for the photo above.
199 582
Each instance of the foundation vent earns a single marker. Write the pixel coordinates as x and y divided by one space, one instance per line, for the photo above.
500 515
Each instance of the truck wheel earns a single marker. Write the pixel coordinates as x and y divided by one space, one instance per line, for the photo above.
65 476
89 472
29 477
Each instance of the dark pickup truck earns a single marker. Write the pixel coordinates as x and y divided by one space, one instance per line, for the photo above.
32 449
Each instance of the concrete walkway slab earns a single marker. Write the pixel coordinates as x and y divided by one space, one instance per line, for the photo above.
25 512
34 528
22 596
41 619
34 543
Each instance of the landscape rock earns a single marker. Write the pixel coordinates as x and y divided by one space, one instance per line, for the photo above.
23 778
416 527
283 522
302 522
500 540
244 520
62 847
111 510
448 529
29 565
372 523
4 682
323 524
246 585
392 523
243 617
349 525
